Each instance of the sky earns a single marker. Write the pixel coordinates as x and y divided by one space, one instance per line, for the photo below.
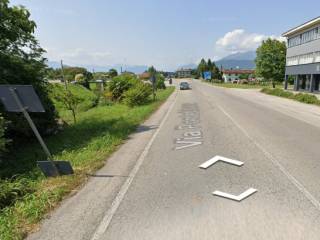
164 33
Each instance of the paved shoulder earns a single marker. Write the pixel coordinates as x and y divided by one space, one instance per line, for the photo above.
78 216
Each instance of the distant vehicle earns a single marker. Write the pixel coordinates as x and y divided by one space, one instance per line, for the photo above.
184 86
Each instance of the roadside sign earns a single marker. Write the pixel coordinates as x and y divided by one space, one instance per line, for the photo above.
23 98
207 75
28 98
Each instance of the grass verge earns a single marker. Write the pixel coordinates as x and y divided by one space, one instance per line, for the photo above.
240 86
301 97
85 144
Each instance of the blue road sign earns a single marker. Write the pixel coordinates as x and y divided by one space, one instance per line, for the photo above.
207 75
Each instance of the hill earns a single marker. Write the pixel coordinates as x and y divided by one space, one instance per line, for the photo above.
238 60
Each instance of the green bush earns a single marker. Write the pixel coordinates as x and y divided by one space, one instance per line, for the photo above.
3 141
301 97
137 95
13 190
120 84
21 62
160 82
306 98
87 98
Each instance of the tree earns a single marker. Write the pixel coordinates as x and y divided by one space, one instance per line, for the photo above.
244 76
160 81
21 62
210 65
3 141
70 101
113 73
271 60
202 67
152 70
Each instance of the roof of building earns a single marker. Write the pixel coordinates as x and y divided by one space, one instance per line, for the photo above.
238 71
145 75
302 27
184 69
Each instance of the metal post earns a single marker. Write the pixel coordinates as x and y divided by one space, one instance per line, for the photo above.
64 80
311 83
286 82
296 83
154 87
33 127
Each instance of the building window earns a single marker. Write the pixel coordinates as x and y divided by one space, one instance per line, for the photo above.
291 61
303 59
305 37
317 57
306 58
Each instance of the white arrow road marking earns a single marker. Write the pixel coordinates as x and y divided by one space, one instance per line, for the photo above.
238 198
215 159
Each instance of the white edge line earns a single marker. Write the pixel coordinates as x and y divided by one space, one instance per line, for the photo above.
117 201
291 178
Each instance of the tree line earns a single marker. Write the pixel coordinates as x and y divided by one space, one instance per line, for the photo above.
270 63
208 66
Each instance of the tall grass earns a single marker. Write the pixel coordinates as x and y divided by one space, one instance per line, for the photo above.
27 195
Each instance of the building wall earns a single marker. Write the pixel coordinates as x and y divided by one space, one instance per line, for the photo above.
313 46
303 58
184 74
230 77
313 68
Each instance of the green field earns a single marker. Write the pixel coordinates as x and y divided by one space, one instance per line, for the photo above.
87 144
243 86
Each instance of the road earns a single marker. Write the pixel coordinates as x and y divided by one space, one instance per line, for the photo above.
167 195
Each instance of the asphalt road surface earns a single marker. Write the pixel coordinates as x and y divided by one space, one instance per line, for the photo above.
163 194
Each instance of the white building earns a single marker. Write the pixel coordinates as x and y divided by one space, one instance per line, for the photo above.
233 75
184 73
303 56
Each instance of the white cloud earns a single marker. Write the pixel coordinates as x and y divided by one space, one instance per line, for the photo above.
80 56
239 40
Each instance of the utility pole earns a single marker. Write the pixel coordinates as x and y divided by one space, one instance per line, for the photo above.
63 79
153 79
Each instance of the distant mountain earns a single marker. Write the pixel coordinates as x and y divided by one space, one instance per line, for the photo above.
251 55
97 68
238 60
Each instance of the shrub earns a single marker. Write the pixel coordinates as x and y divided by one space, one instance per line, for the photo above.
160 84
2 137
13 190
70 101
138 95
120 84
86 97
306 98
301 97
21 62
